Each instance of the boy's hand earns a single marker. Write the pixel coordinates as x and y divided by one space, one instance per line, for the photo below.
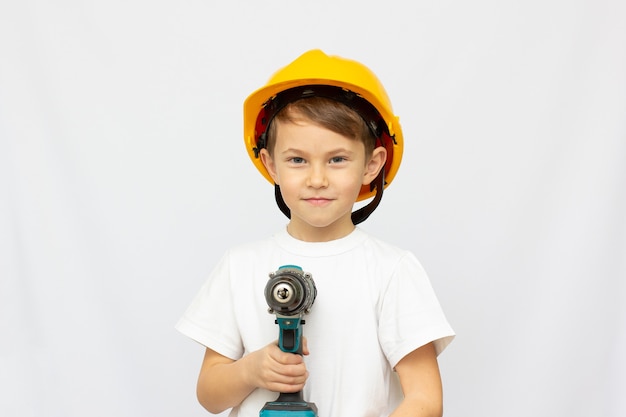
279 371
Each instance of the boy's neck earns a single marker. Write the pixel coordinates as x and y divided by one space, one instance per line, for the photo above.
319 234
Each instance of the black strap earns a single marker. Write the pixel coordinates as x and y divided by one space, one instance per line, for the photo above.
281 203
364 212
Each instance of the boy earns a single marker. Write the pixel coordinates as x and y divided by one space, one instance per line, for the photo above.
322 130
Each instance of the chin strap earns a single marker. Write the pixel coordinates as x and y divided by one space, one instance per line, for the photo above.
364 212
358 216
281 203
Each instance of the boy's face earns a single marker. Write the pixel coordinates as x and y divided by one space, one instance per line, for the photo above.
320 174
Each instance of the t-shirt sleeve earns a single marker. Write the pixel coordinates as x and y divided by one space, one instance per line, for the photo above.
210 319
411 315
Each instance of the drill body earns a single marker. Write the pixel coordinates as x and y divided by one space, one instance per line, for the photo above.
290 293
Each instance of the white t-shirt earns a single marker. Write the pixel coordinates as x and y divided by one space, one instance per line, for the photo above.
374 305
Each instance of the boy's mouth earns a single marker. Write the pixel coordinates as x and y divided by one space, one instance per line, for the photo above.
318 201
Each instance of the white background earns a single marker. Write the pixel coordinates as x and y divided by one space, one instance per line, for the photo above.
123 178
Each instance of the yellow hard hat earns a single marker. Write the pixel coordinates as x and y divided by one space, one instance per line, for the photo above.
316 74
315 68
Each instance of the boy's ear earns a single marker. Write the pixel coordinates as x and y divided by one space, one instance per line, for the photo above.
375 164
268 162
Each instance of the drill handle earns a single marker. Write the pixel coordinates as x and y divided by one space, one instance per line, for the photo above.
290 397
290 334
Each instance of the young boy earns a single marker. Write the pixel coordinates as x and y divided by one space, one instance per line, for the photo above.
322 130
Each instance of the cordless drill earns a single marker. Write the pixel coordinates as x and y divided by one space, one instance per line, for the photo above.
290 293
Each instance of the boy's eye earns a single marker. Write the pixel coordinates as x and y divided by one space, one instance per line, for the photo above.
297 160
337 159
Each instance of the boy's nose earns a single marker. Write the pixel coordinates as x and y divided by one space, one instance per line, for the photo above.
317 178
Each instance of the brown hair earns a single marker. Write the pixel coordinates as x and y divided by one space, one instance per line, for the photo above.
327 113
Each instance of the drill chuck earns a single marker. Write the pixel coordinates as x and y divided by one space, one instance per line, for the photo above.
290 291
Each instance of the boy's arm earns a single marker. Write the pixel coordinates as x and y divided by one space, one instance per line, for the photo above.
421 384
224 383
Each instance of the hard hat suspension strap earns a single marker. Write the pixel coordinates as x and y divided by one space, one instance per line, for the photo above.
275 104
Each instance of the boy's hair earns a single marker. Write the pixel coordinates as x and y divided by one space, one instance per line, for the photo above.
327 113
